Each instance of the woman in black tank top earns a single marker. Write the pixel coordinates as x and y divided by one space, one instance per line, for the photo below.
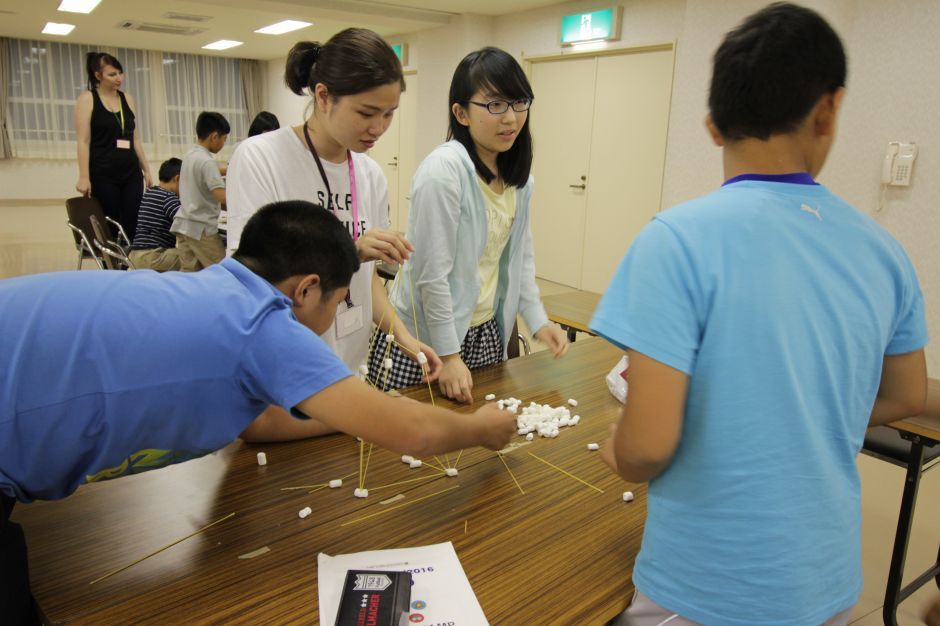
111 160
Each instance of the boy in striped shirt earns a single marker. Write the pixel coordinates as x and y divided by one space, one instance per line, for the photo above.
154 245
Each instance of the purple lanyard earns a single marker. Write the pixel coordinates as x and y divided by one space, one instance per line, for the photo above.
796 178
329 194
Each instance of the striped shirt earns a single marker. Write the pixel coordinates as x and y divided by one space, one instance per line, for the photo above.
157 209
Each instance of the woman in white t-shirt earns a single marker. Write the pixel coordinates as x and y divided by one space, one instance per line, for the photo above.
356 81
473 269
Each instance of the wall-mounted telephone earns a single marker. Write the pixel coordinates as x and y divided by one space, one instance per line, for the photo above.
898 164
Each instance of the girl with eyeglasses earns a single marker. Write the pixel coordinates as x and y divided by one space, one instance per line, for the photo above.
472 270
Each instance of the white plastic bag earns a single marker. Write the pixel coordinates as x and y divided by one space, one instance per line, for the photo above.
616 382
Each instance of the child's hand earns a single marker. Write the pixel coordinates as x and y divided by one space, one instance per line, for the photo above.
434 363
607 451
554 338
498 426
383 245
455 380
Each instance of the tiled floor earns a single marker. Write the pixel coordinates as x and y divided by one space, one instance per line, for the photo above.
35 239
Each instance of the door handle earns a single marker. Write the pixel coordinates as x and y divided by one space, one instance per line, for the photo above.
582 186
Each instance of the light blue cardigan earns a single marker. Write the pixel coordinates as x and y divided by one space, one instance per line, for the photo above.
447 225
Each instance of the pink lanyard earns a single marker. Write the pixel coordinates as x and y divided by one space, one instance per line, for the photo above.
352 185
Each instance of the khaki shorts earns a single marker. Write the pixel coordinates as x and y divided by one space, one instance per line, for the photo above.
196 254
157 259
644 612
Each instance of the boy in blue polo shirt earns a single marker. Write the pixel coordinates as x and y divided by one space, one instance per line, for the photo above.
78 404
768 323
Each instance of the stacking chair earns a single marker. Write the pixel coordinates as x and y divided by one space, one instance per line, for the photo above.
115 256
79 211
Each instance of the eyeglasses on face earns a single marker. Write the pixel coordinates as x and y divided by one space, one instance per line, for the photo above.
498 107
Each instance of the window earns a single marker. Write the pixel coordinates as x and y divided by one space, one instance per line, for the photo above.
46 79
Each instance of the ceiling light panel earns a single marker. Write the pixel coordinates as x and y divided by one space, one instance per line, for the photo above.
78 6
283 27
222 44
52 28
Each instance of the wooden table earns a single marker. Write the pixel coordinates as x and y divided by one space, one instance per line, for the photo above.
572 311
923 432
560 554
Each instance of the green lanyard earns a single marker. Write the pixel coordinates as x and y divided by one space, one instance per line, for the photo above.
119 115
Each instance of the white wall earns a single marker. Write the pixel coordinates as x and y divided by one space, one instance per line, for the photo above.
37 179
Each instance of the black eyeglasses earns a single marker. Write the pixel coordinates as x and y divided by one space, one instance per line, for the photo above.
498 107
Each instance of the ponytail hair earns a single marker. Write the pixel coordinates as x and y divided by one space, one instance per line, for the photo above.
94 62
352 61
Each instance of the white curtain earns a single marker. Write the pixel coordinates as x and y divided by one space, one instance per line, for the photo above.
6 147
195 83
170 90
253 86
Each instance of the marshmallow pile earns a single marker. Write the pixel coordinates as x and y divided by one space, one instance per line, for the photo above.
543 419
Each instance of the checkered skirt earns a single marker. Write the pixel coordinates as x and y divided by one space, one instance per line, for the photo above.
481 347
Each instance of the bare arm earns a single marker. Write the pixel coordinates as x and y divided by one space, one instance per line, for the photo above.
276 424
353 407
139 147
643 442
219 194
82 139
903 389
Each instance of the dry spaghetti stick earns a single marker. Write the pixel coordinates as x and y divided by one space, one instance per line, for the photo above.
398 506
510 472
366 471
303 487
121 569
460 454
566 473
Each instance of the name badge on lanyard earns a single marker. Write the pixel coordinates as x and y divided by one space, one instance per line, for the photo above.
349 320
122 144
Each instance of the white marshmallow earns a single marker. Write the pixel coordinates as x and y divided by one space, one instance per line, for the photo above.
593 446
422 358
262 458
364 370
336 484
490 396
451 471
416 464
304 512
390 338
628 496
361 493
406 458
529 437
572 402
387 364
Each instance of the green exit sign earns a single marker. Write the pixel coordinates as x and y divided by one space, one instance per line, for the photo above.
594 26
401 51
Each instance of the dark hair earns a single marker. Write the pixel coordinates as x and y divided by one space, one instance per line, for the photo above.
264 122
352 61
210 122
94 61
169 169
292 237
495 71
772 70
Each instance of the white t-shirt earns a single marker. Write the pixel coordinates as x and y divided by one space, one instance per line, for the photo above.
278 166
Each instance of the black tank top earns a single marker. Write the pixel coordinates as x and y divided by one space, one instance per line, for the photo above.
105 158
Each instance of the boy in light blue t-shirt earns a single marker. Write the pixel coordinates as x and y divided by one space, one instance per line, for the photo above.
768 324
